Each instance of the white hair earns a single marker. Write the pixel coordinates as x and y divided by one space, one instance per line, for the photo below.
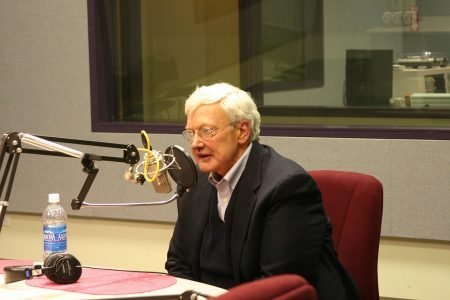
237 103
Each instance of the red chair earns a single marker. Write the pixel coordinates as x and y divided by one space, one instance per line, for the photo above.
354 204
277 287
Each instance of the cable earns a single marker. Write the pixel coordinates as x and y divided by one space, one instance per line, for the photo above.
146 164
148 150
146 140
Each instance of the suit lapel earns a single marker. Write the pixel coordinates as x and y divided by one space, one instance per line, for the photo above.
199 218
245 203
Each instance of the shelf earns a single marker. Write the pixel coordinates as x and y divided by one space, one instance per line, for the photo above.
439 24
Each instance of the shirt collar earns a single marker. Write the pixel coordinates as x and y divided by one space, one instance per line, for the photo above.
233 175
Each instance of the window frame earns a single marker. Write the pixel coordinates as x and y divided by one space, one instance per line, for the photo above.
101 91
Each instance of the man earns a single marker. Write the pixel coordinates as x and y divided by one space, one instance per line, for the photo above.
253 213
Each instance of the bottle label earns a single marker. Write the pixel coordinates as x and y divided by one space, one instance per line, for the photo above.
55 238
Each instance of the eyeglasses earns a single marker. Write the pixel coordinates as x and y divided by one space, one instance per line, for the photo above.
205 133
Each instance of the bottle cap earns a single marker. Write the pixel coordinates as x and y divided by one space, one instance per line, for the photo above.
53 198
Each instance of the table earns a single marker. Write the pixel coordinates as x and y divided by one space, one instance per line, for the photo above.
21 290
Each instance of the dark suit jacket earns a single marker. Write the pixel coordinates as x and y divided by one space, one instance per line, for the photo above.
279 226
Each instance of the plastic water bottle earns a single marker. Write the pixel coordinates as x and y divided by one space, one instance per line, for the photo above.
54 219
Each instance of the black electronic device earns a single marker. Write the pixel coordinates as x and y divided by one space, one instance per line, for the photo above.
424 59
368 77
61 268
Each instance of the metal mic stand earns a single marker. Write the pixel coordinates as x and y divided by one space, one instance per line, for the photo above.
11 144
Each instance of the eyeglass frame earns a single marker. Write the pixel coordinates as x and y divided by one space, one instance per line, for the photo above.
205 133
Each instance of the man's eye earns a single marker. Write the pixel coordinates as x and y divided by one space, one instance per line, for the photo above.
206 130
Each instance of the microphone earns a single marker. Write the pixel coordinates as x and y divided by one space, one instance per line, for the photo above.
156 166
161 184
175 161
156 173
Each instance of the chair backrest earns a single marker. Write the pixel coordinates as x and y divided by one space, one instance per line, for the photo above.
277 287
354 204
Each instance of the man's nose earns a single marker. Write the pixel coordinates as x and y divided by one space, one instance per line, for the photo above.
196 140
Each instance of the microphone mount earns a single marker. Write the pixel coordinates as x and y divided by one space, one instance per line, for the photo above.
12 144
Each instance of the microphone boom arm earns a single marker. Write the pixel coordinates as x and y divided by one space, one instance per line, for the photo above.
151 203
176 196
11 144
183 170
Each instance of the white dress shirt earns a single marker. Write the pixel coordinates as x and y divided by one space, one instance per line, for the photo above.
225 185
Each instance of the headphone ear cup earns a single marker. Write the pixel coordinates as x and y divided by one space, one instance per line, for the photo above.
62 268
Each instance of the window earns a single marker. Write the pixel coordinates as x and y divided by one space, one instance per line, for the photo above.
315 68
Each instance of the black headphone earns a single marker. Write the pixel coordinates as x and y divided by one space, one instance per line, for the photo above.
58 267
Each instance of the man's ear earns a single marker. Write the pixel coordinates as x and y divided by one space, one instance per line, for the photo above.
245 132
